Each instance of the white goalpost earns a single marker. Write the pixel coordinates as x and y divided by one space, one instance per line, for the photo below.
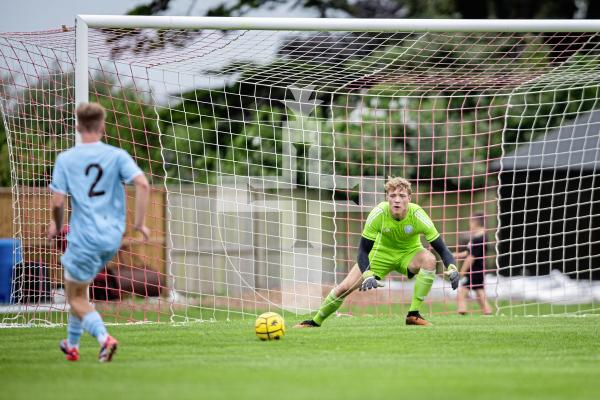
268 141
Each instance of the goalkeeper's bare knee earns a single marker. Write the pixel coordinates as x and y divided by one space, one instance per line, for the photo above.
424 260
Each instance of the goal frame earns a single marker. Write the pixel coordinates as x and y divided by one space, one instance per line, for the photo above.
83 22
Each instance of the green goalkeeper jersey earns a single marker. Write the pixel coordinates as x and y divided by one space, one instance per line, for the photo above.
392 237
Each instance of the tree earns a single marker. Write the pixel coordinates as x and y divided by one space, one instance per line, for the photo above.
404 8
48 125
236 147
202 135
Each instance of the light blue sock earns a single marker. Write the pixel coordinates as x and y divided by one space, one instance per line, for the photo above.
74 331
92 323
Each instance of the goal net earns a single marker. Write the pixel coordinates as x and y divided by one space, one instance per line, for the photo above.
268 145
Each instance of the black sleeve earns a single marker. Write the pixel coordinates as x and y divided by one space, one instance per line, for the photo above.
364 248
440 247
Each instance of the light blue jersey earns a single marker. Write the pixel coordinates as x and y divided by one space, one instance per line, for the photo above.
93 175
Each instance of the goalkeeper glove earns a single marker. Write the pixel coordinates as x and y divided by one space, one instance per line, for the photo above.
369 281
453 275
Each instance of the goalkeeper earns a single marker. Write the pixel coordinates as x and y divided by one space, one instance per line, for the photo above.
391 242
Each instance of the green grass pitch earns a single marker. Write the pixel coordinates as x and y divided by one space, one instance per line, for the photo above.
363 358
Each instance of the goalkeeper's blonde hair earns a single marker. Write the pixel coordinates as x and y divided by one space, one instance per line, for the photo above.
396 182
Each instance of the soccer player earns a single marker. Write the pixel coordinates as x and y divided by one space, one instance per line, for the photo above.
473 268
92 173
391 242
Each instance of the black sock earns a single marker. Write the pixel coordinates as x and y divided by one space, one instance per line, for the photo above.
413 314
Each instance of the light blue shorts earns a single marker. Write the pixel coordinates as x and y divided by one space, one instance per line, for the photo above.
82 264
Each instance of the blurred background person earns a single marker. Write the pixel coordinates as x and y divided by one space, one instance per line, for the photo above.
473 268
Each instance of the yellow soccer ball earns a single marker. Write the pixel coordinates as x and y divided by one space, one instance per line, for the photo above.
269 326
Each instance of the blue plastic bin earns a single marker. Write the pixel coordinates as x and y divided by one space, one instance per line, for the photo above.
8 248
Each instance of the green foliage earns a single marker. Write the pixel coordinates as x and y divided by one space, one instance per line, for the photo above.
154 7
48 127
234 131
130 123
38 124
445 133
400 8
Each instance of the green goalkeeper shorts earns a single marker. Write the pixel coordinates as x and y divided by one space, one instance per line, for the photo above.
382 263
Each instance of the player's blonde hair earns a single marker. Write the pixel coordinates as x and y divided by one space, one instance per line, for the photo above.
90 117
396 182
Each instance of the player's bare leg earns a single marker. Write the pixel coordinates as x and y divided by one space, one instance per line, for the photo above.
461 300
483 303
423 265
334 300
351 282
77 296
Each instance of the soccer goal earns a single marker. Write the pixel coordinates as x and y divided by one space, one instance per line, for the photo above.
268 141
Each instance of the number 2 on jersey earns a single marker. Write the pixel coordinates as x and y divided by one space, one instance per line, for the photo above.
92 192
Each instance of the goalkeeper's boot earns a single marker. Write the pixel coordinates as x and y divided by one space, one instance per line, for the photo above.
71 353
414 318
108 349
309 323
